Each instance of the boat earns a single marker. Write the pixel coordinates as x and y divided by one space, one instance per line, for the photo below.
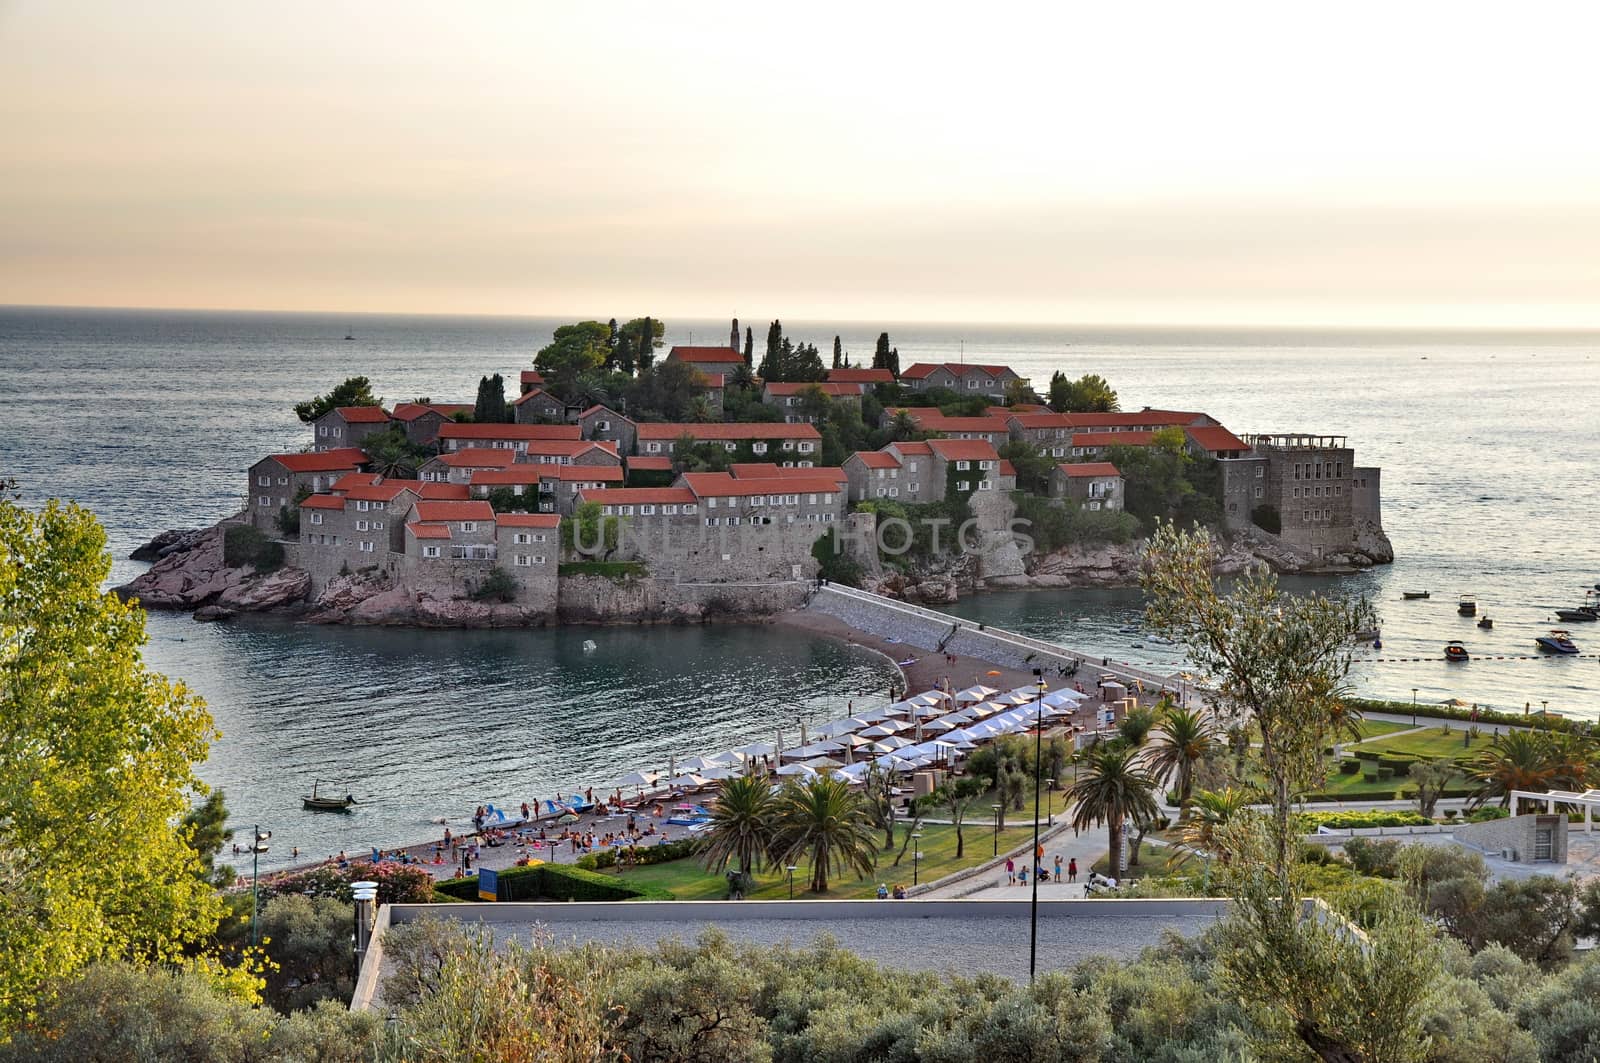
1366 635
317 803
1454 651
348 337
1412 596
1467 606
1485 623
1582 614
1557 642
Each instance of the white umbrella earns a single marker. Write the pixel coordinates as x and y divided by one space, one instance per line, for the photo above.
878 747
687 781
882 730
939 726
960 741
815 749
1060 696
928 712
719 772
893 762
823 762
633 780
976 693
898 742
854 741
932 697
757 749
841 776
797 769
963 716
841 727
699 764
728 758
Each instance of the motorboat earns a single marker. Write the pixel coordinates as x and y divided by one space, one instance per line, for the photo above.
1454 651
1412 596
1582 614
1557 642
315 802
1485 623
1467 606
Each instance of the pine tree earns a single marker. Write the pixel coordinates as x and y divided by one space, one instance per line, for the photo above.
805 363
627 355
749 346
733 336
490 408
838 353
880 354
647 345
772 365
611 344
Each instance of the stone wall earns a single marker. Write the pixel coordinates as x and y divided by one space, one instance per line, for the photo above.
591 599
1518 833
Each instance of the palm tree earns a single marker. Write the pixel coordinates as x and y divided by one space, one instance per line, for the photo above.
823 821
1518 760
742 823
1135 727
1186 738
1211 810
1345 720
1115 788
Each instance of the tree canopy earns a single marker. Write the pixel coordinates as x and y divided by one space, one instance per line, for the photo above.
95 768
355 391
1088 394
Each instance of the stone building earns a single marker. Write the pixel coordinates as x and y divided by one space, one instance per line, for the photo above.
991 430
502 436
878 474
1048 433
864 380
1094 445
355 526
604 423
989 381
1215 442
537 406
347 426
790 398
458 466
443 531
1323 503
557 486
275 481
788 444
421 422
1093 484
965 465
711 361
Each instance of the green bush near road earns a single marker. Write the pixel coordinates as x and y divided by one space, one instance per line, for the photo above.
1357 820
554 882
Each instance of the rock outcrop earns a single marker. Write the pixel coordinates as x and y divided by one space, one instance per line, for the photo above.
171 541
193 573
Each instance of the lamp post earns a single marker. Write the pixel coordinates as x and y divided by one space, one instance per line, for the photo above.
1413 706
364 893
916 855
1033 854
257 837
997 810
792 868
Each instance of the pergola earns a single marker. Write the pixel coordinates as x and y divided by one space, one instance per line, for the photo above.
1589 799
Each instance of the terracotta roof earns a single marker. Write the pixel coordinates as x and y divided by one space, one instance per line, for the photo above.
938 422
829 472
432 511
568 448
356 479
1006 468
1216 439
387 491
721 485
1112 439
442 492
321 461
530 376
585 473
1021 407
612 496
428 531
1042 420
861 376
601 407
913 447
724 354
1139 420
876 459
410 411
479 458
528 520
718 430
650 463
827 388
519 473
510 431
322 502
964 449
919 370
363 414
1088 468
535 393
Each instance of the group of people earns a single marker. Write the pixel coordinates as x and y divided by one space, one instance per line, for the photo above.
1017 874
899 894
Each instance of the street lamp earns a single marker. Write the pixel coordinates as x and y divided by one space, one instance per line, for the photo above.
792 869
997 810
916 855
1033 854
364 893
256 849
1413 706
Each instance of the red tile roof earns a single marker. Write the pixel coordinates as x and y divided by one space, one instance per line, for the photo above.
626 496
520 473
832 390
322 502
759 470
1142 420
753 468
721 485
1006 468
1215 439
387 491
356 479
723 355
364 414
528 520
568 448
719 430
535 393
912 447
479 458
938 422
601 407
964 449
1088 468
587 473
432 511
650 463
428 531
321 461
1043 420
919 370
861 376
876 459
510 431
442 492
530 376
1112 439
410 411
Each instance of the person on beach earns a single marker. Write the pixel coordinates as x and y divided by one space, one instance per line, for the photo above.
524 811
1072 869
1058 867
1011 872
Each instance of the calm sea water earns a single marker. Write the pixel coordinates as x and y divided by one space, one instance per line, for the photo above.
1489 444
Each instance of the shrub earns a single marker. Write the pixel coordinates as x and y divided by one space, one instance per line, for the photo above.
497 585
1385 772
243 545
554 882
1483 815
642 856
1356 820
1349 767
397 883
833 564
612 570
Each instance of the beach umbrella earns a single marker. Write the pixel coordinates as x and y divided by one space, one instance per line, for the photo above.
689 781
882 730
797 769
570 817
938 726
877 747
854 741
699 764
816 749
718 772
898 742
819 763
756 749
932 697
839 728
960 741
994 671
634 780
976 693
893 762
727 758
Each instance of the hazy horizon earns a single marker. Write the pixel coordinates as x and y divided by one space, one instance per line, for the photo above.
1243 165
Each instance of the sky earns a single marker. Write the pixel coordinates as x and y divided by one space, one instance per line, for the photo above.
1430 164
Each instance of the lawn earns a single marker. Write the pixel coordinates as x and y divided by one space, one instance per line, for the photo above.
1374 728
688 880
1435 742
1155 861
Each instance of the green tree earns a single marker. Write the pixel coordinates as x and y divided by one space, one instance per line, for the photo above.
645 336
589 533
825 822
1033 468
393 454
1136 726
355 391
575 351
1431 777
308 941
1210 812
490 407
742 827
1113 788
749 348
1516 760
206 828
1186 738
95 768
1088 394
961 797
803 362
771 369
880 353
838 353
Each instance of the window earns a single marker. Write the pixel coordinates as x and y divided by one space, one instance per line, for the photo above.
736 520
263 481
430 551
730 446
316 518
1261 470
669 511
963 466
883 492
283 481
1260 491
712 522
788 444
758 448
984 485
711 503
366 546
469 525
805 448
361 525
826 517
894 492
653 448
337 431
602 426
520 538
986 464
972 385
1094 504
263 501
647 511
625 511
688 508
1296 492
322 430
361 505
538 559
963 485
758 500
1305 515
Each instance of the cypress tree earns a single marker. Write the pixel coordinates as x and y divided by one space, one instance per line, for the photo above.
647 344
838 353
772 366
611 344
880 354
894 361
749 346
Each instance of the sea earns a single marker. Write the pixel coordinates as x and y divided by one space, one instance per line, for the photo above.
1489 445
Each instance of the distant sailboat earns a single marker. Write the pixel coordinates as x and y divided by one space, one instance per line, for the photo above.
349 336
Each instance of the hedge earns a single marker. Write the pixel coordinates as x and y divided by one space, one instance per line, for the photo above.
1487 717
1355 820
643 855
554 882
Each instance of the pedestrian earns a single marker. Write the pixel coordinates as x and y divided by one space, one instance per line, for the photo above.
524 811
1072 868
1058 867
1022 876
1011 872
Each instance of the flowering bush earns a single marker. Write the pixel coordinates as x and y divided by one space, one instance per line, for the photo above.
397 883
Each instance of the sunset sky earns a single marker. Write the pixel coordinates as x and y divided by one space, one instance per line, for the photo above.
1429 164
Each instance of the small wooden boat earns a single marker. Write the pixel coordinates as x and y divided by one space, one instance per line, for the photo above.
1557 642
1468 605
1454 651
1485 623
1412 596
314 802
1582 614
